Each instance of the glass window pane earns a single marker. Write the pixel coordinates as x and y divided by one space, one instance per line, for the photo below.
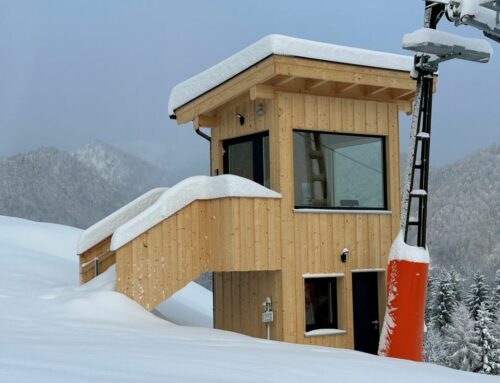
321 309
338 171
265 161
248 157
240 159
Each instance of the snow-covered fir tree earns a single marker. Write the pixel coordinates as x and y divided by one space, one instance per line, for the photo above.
444 302
495 299
489 346
460 342
429 298
456 285
433 347
478 294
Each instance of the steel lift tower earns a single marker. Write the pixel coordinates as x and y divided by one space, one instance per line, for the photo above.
402 334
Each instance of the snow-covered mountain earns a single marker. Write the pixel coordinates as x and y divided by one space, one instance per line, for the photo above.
53 330
78 189
464 213
127 172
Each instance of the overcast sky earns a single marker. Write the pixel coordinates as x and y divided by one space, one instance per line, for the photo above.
76 71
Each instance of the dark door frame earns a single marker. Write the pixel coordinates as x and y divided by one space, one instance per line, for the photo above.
366 302
257 153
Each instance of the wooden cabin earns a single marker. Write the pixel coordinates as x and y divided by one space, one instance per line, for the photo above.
317 125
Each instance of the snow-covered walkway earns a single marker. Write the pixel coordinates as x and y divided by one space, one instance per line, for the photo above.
52 330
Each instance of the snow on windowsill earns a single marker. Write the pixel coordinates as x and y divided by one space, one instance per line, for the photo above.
324 332
323 275
342 211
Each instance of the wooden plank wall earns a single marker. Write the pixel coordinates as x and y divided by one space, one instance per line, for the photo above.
229 127
238 298
312 242
226 234
101 250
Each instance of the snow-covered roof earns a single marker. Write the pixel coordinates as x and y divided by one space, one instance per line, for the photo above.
105 227
181 195
194 87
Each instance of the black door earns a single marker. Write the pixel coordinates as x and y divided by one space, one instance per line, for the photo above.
365 307
248 157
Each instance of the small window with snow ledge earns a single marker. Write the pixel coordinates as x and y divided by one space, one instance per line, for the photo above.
339 171
322 302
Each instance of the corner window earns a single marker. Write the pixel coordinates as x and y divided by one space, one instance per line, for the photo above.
248 157
321 303
339 171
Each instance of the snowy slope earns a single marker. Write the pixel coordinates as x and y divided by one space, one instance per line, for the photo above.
52 330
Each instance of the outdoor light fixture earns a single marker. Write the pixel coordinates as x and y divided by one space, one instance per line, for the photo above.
344 255
259 109
241 118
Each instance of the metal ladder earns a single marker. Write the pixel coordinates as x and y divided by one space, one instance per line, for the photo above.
415 193
314 152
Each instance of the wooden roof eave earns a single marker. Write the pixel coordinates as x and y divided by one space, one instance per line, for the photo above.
282 74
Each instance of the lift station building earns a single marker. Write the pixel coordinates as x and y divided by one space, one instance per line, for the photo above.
302 204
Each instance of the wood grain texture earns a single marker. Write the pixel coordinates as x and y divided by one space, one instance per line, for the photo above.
177 250
263 247
101 252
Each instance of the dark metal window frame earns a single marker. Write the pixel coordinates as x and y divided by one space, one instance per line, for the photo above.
257 153
354 208
334 302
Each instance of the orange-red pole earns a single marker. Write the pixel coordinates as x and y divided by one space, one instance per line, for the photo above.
403 330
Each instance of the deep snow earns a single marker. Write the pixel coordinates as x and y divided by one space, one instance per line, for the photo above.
284 46
53 330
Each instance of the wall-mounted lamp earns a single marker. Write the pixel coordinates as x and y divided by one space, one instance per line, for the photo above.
241 118
344 255
259 109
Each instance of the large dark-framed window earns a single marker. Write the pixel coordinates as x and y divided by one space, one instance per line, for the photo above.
248 157
339 171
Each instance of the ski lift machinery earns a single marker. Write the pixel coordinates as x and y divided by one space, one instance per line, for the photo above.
403 330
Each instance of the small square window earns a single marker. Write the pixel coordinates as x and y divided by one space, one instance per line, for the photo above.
321 303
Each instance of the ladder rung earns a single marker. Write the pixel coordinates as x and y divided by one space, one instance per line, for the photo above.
418 193
315 154
318 178
414 223
423 136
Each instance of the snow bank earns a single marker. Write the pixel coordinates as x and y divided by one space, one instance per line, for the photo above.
181 195
404 252
190 306
53 330
284 46
105 227
424 36
49 238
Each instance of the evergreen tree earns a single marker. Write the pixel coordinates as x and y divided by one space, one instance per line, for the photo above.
490 353
495 299
433 347
478 294
456 285
461 342
429 298
443 303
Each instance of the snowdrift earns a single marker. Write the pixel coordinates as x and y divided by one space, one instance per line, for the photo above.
53 330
